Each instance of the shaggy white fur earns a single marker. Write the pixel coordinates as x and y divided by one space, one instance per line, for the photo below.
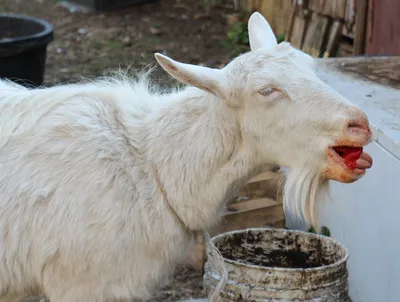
82 217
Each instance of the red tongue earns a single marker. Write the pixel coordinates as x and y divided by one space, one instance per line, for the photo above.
350 155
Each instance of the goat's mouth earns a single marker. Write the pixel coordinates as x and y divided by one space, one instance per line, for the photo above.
347 163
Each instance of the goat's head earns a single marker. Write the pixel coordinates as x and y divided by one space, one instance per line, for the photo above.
288 116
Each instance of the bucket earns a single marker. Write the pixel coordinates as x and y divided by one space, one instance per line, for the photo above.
23 47
278 265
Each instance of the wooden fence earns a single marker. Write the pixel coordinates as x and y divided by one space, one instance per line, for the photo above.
318 27
277 12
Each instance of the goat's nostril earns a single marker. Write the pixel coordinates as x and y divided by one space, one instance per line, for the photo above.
353 125
357 126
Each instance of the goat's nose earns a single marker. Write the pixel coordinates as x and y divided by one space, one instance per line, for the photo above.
358 125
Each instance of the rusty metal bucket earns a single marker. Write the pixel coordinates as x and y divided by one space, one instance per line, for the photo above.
264 264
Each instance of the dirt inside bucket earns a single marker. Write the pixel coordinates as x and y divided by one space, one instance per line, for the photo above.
283 259
282 252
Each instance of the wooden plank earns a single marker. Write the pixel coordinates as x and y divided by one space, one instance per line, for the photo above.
384 38
369 23
335 9
252 204
255 5
316 5
340 9
246 5
262 217
250 5
283 14
277 12
361 17
350 15
310 33
333 39
318 42
384 70
299 30
268 175
345 49
349 20
289 29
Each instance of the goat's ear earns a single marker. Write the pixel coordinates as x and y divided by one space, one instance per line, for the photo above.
207 79
260 33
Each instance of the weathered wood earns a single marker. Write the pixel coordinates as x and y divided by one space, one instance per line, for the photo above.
385 34
268 175
318 42
299 30
369 22
382 70
315 35
350 15
335 9
345 49
277 12
289 28
333 38
310 33
350 19
361 17
270 215
249 5
315 5
252 204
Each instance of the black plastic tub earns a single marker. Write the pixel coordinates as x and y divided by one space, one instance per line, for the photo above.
23 48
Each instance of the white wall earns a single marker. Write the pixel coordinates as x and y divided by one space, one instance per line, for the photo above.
366 219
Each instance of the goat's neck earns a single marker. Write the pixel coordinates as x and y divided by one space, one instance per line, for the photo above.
197 147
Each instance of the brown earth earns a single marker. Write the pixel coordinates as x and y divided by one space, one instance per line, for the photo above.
90 44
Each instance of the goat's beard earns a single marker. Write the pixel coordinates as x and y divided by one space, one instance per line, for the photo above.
303 188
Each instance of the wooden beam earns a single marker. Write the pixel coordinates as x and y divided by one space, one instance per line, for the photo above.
300 25
268 175
333 38
361 17
270 216
289 28
252 204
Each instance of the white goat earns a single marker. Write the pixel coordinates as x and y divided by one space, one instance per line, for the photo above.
101 182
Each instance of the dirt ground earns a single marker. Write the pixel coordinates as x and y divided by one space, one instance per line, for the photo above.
90 44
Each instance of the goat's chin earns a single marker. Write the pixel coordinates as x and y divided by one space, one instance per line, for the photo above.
303 188
342 174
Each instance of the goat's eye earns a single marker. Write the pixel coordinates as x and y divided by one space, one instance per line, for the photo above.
267 91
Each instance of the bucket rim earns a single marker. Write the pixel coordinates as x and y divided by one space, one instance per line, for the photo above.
42 37
281 269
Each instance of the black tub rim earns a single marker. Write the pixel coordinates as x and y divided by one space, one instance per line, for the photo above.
280 269
20 43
